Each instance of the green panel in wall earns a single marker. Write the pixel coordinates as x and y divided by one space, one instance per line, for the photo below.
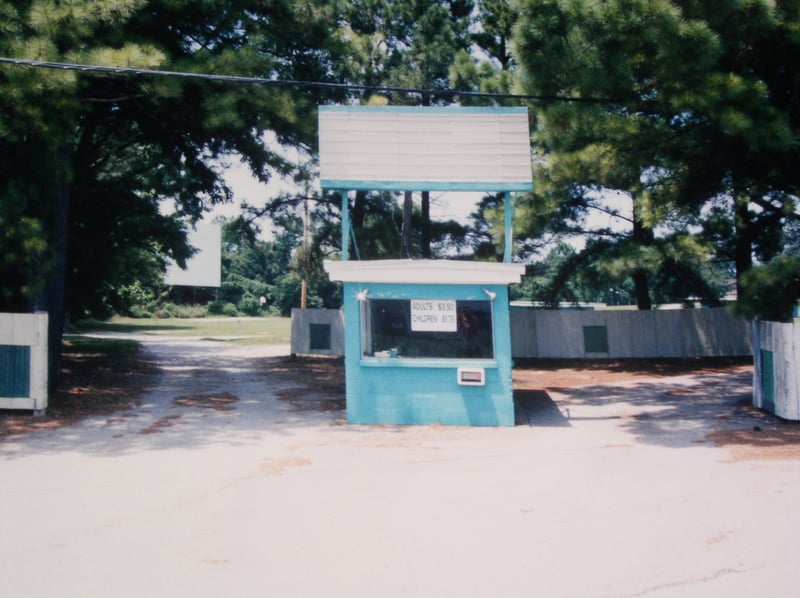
15 371
768 379
320 337
595 339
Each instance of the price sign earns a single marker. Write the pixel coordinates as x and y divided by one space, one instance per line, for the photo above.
433 315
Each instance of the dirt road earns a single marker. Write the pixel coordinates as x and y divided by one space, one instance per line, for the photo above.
235 478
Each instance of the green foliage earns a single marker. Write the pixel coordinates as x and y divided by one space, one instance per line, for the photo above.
406 44
229 309
250 305
87 160
252 269
134 298
697 127
22 251
286 293
264 330
546 284
771 291
222 308
168 309
689 104
86 345
215 307
491 37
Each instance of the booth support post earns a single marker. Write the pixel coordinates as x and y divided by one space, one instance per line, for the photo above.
509 227
345 226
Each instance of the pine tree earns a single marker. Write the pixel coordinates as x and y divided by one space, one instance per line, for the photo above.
674 104
88 159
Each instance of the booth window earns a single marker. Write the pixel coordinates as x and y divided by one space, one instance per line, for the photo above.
428 328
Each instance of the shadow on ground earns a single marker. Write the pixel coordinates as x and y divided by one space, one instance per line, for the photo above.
711 407
178 396
537 408
191 396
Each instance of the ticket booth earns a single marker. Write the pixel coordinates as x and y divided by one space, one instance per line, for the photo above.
426 341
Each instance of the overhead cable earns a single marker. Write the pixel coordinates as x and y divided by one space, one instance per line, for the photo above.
130 71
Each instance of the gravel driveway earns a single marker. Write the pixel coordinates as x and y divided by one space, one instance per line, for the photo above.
218 484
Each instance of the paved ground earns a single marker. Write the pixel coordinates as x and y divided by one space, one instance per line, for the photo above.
217 485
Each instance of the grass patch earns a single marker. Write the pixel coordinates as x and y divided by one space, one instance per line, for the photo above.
265 331
107 347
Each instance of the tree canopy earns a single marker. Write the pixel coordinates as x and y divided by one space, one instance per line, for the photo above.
88 160
688 111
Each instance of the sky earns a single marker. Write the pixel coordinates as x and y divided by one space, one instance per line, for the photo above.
204 269
444 206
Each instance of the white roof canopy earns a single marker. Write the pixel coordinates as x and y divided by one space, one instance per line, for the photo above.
398 148
425 272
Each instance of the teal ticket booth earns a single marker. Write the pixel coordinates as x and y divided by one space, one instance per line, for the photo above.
426 341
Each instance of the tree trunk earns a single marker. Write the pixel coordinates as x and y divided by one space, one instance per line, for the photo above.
640 282
426 225
406 240
55 289
359 210
75 163
643 236
358 213
742 238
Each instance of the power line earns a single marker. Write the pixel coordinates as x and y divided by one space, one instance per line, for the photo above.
129 71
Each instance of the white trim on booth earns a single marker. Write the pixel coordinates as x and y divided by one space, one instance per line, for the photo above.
425 272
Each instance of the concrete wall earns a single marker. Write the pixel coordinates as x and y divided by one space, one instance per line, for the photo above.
304 322
24 330
629 333
776 379
561 334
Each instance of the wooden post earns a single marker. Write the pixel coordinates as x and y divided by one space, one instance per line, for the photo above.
304 283
509 227
406 241
426 225
345 227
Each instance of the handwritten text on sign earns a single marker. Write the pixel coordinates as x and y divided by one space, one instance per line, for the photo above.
433 315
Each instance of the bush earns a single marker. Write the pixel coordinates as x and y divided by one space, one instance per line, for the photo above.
191 311
222 308
250 305
133 300
229 309
171 310
166 310
287 293
215 307
140 311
